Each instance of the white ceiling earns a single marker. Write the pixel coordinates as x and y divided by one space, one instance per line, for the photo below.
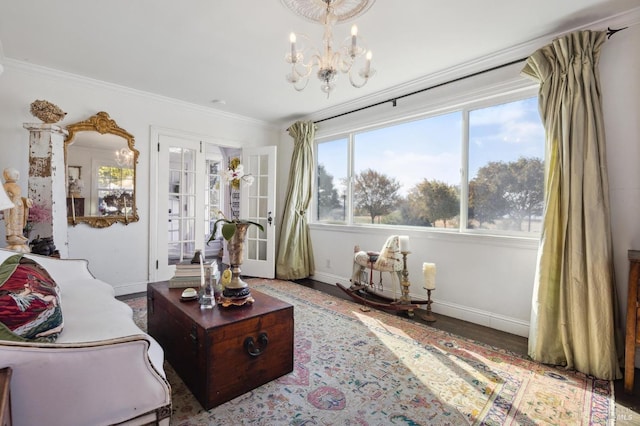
201 50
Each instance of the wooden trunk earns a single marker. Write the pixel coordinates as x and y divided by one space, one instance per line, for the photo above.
223 352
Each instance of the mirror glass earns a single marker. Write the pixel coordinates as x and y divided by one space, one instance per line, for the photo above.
101 173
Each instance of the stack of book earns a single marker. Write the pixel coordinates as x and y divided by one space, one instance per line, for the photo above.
188 274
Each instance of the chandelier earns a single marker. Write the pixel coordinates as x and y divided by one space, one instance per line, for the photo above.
124 157
328 61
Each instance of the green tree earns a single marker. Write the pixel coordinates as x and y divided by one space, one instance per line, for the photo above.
433 200
486 193
525 190
411 211
513 191
375 193
328 199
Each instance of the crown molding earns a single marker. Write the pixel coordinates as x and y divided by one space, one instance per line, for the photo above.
30 68
520 51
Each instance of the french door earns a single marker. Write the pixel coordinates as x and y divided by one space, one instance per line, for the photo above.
181 202
257 204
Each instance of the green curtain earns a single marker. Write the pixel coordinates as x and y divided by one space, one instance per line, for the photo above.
574 310
295 254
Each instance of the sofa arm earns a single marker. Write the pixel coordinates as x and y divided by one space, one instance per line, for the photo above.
96 383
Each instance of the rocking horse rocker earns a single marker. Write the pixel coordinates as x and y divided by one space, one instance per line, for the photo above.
389 259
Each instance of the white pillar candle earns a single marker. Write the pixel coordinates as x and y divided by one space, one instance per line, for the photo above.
404 243
367 68
429 272
354 36
292 39
201 271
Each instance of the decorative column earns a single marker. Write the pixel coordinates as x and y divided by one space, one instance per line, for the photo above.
47 177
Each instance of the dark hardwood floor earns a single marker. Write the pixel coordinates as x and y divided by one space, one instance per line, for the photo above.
627 405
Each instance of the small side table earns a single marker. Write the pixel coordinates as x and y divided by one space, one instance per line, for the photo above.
632 339
5 396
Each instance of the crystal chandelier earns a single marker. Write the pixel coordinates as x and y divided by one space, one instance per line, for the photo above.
124 157
328 61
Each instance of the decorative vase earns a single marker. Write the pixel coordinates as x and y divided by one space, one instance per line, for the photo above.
237 288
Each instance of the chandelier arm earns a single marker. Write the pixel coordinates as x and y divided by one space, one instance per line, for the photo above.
301 88
343 63
306 67
365 75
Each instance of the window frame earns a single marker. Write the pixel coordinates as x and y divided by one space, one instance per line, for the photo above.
483 97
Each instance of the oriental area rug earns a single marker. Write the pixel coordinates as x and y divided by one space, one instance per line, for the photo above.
372 368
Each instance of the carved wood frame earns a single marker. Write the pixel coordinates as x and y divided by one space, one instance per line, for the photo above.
103 124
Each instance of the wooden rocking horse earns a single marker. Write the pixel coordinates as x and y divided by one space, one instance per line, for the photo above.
390 259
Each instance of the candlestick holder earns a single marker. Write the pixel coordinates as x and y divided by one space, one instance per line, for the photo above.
428 316
405 283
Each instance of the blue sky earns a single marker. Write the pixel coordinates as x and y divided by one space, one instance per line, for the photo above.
431 148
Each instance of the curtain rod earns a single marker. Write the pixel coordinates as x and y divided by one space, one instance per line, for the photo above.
394 100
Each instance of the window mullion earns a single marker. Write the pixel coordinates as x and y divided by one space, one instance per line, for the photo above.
349 189
464 171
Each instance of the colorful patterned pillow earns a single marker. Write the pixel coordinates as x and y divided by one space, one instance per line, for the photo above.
29 302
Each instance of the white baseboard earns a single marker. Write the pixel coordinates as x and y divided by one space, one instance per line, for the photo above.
485 318
331 279
124 289
465 313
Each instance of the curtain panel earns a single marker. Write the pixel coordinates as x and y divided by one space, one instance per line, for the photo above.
574 309
295 254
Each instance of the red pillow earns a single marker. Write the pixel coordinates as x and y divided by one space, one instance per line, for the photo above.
29 302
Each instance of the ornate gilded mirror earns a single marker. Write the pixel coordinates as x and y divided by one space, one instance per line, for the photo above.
101 160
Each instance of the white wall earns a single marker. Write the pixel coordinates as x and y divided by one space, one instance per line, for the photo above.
118 254
489 280
619 65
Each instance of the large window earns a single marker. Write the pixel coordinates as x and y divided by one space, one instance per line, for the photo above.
413 173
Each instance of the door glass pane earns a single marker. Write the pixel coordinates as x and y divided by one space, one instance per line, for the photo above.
251 246
262 245
174 182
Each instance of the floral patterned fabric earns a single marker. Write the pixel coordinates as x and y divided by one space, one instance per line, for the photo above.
29 302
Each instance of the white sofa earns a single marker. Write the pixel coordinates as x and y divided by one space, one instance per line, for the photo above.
101 370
